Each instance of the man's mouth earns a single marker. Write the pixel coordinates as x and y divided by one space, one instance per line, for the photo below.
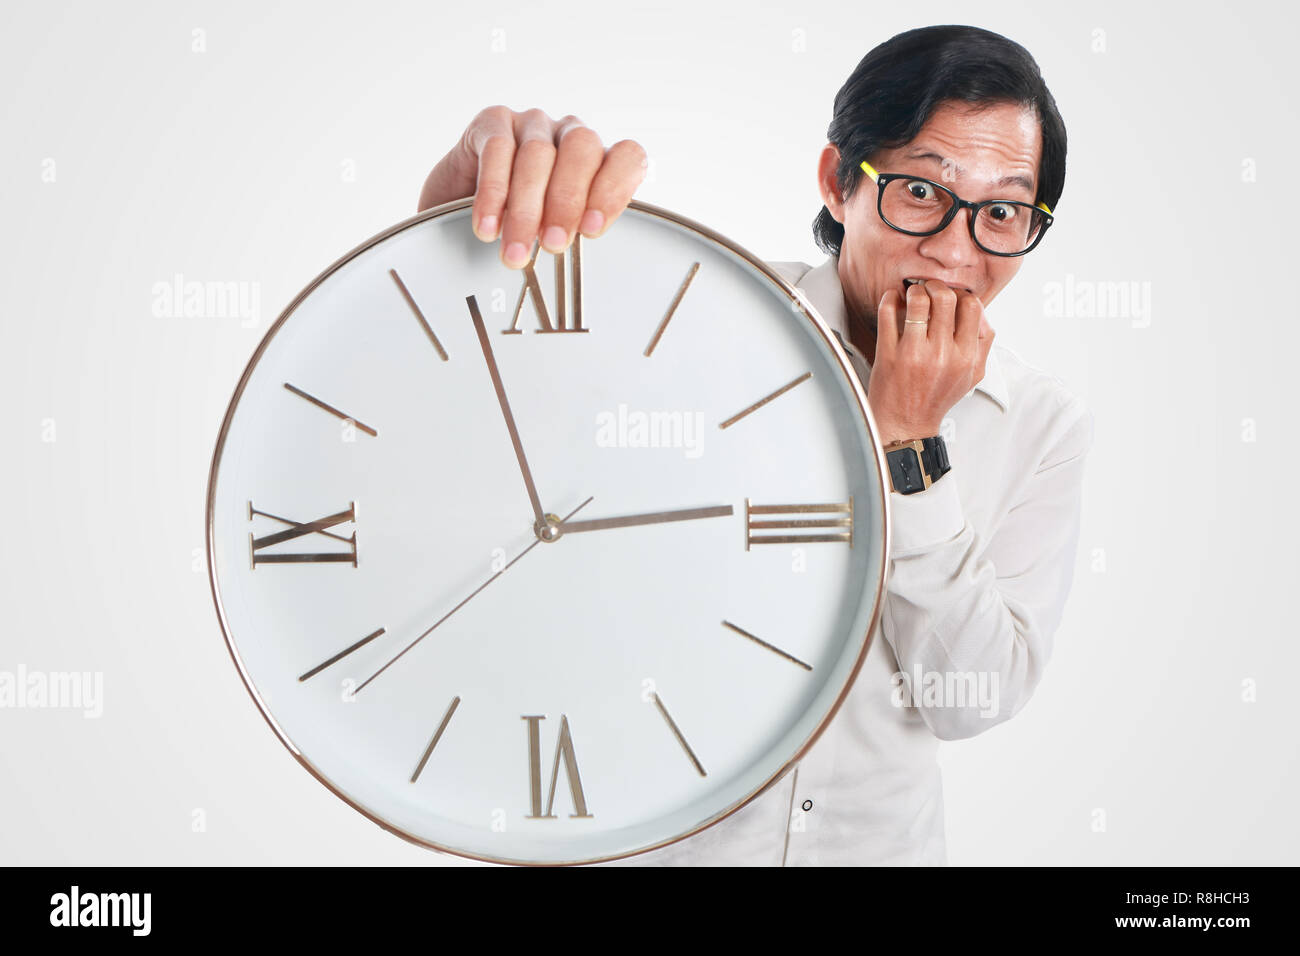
911 282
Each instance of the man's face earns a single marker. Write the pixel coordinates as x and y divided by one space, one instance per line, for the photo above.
990 153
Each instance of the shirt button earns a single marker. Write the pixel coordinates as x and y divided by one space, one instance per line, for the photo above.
807 805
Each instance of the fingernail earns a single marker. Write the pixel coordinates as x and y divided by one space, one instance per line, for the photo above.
592 222
554 238
487 228
516 255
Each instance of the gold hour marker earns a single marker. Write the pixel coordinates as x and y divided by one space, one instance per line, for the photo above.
763 401
563 748
843 519
341 654
568 292
424 324
672 307
678 734
331 409
455 702
297 529
770 647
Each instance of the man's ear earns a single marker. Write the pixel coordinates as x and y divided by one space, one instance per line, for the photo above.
827 181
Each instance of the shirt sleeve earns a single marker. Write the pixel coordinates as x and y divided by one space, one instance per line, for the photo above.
961 609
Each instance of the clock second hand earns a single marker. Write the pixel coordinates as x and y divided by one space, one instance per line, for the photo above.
462 603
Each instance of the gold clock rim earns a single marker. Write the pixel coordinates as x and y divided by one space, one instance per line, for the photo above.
862 406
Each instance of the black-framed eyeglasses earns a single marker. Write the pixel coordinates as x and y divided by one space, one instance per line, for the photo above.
921 207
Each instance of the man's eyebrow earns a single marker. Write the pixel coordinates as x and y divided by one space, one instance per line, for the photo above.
1014 180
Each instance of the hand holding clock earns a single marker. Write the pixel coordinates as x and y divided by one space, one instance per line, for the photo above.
531 176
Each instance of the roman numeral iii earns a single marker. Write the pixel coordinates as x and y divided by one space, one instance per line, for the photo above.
563 748
259 552
801 530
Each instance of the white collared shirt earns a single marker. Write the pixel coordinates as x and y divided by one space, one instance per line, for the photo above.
980 566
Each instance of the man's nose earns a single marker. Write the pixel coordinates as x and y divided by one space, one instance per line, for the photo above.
953 245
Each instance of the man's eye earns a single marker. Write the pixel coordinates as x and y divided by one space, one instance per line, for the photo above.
921 190
1001 212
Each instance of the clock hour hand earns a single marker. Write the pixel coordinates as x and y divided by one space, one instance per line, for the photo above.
543 524
653 517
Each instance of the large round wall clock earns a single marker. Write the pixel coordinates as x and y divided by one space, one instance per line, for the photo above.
555 565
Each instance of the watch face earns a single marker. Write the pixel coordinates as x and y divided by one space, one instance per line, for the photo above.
555 565
905 466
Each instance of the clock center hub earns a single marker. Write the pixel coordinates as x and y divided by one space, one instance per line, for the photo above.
549 532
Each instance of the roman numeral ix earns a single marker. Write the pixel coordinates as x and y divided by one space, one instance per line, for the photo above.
258 547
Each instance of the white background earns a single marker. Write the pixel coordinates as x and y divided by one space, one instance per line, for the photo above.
232 164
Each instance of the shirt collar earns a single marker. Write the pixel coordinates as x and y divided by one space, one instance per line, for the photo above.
821 286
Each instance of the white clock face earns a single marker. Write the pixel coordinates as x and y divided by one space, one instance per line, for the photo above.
565 691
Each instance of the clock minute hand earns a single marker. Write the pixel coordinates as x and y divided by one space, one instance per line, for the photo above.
653 517
477 316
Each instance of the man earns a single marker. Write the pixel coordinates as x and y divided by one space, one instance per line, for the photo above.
946 157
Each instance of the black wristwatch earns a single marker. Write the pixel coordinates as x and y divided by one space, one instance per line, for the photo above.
917 463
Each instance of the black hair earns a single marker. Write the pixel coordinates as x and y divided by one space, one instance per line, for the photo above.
898 85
